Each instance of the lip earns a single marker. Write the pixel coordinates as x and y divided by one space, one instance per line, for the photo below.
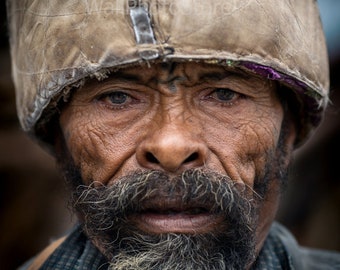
180 222
170 215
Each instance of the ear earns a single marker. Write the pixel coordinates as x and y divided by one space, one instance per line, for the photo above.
58 141
59 144
288 137
291 130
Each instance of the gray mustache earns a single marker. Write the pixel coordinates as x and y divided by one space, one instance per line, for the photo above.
155 190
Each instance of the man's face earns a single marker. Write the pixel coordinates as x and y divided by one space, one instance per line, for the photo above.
172 153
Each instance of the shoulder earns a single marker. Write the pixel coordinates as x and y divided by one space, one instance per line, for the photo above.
306 258
75 251
320 259
36 262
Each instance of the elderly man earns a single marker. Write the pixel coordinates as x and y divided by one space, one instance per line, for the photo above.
174 123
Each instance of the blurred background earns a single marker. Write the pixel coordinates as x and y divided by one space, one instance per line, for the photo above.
34 210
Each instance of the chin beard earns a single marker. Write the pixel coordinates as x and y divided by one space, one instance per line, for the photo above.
182 252
105 212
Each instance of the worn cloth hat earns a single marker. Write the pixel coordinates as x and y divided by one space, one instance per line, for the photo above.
56 44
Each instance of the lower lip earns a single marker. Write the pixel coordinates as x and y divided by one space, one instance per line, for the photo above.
177 223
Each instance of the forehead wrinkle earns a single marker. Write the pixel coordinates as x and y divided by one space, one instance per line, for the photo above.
218 75
125 76
159 74
168 74
171 74
183 74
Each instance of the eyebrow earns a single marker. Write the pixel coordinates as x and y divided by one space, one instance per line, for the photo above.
203 76
218 76
120 75
212 76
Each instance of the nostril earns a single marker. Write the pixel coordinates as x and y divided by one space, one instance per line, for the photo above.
192 157
151 158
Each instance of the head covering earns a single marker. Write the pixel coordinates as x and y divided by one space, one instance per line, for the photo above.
56 44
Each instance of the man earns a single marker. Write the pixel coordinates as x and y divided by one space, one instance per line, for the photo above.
174 123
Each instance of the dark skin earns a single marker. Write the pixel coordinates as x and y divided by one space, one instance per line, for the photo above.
173 118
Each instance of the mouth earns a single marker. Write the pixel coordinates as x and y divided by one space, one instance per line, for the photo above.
170 216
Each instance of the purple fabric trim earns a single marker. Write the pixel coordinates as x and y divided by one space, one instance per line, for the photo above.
272 74
312 106
264 71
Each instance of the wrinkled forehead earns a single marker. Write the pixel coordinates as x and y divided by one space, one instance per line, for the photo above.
186 72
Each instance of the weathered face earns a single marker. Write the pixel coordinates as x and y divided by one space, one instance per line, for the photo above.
175 118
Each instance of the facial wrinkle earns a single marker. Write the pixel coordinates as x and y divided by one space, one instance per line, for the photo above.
168 76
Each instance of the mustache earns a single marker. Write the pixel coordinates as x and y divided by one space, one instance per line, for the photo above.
193 191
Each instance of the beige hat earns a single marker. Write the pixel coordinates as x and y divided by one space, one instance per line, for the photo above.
56 44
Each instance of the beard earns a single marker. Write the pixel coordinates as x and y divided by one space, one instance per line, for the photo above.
106 211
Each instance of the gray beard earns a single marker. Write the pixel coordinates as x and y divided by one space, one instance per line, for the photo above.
105 212
179 252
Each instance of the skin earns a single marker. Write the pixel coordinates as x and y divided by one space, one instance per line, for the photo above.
174 117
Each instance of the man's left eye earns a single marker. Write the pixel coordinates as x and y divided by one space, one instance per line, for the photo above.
118 98
224 95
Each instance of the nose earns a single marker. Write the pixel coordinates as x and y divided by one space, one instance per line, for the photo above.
172 150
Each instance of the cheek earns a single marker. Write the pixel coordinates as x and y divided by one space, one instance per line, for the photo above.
97 144
242 145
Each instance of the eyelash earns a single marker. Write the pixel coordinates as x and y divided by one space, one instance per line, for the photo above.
236 97
105 99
